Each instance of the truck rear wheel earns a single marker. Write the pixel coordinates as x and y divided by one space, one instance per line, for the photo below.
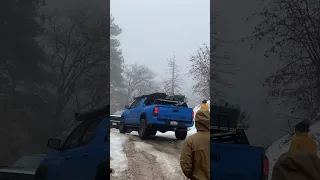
122 127
181 134
143 129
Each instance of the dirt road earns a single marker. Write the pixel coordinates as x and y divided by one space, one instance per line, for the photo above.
156 158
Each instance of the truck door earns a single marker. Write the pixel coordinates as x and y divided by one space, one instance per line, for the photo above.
134 112
128 113
69 161
137 110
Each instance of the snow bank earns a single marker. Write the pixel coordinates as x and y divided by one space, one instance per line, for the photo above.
278 148
118 161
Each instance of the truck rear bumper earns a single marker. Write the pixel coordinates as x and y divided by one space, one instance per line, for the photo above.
168 123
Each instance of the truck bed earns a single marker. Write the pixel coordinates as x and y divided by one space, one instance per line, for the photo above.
236 161
174 113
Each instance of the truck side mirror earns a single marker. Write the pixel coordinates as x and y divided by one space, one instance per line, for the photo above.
54 144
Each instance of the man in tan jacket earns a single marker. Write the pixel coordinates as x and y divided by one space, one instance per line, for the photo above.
195 154
298 165
303 141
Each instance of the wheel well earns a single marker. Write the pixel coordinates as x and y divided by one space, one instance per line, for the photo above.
101 169
143 116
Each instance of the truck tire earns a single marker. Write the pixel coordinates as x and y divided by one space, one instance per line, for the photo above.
122 127
41 173
181 134
143 129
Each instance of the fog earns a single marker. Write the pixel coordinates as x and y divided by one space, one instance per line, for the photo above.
153 31
232 25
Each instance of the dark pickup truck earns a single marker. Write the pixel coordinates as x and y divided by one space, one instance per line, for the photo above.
232 157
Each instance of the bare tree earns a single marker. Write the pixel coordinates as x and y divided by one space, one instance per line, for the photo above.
173 85
200 71
139 80
78 56
220 65
291 28
243 116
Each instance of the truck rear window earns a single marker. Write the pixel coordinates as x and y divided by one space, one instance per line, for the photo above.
169 103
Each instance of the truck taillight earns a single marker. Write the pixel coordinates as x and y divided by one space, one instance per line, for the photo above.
192 115
265 166
156 111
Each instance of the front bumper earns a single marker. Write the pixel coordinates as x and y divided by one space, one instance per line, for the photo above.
114 124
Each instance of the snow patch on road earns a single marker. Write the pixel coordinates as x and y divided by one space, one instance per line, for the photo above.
118 161
171 135
168 163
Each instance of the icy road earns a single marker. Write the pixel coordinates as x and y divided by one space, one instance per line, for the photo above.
156 158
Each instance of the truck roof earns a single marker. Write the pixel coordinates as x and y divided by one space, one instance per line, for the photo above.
92 114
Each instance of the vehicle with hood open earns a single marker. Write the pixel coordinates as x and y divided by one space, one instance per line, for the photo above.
157 112
231 155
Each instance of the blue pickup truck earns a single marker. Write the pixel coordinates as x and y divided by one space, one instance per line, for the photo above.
231 156
83 154
151 113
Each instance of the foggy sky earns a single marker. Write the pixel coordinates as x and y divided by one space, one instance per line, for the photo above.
248 91
153 30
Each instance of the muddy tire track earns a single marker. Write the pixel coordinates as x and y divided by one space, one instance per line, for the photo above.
166 145
141 165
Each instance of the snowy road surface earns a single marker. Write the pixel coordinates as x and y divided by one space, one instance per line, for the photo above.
156 158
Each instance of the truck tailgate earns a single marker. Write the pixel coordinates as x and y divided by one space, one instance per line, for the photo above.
236 162
175 113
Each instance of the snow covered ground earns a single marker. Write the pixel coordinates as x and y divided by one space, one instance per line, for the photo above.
278 148
118 157
169 163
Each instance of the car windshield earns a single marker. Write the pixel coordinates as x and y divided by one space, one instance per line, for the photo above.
119 113
29 162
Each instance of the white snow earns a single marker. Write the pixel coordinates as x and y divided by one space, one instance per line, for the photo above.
274 151
118 161
169 164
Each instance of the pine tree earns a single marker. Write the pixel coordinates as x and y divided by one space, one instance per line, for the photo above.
116 68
